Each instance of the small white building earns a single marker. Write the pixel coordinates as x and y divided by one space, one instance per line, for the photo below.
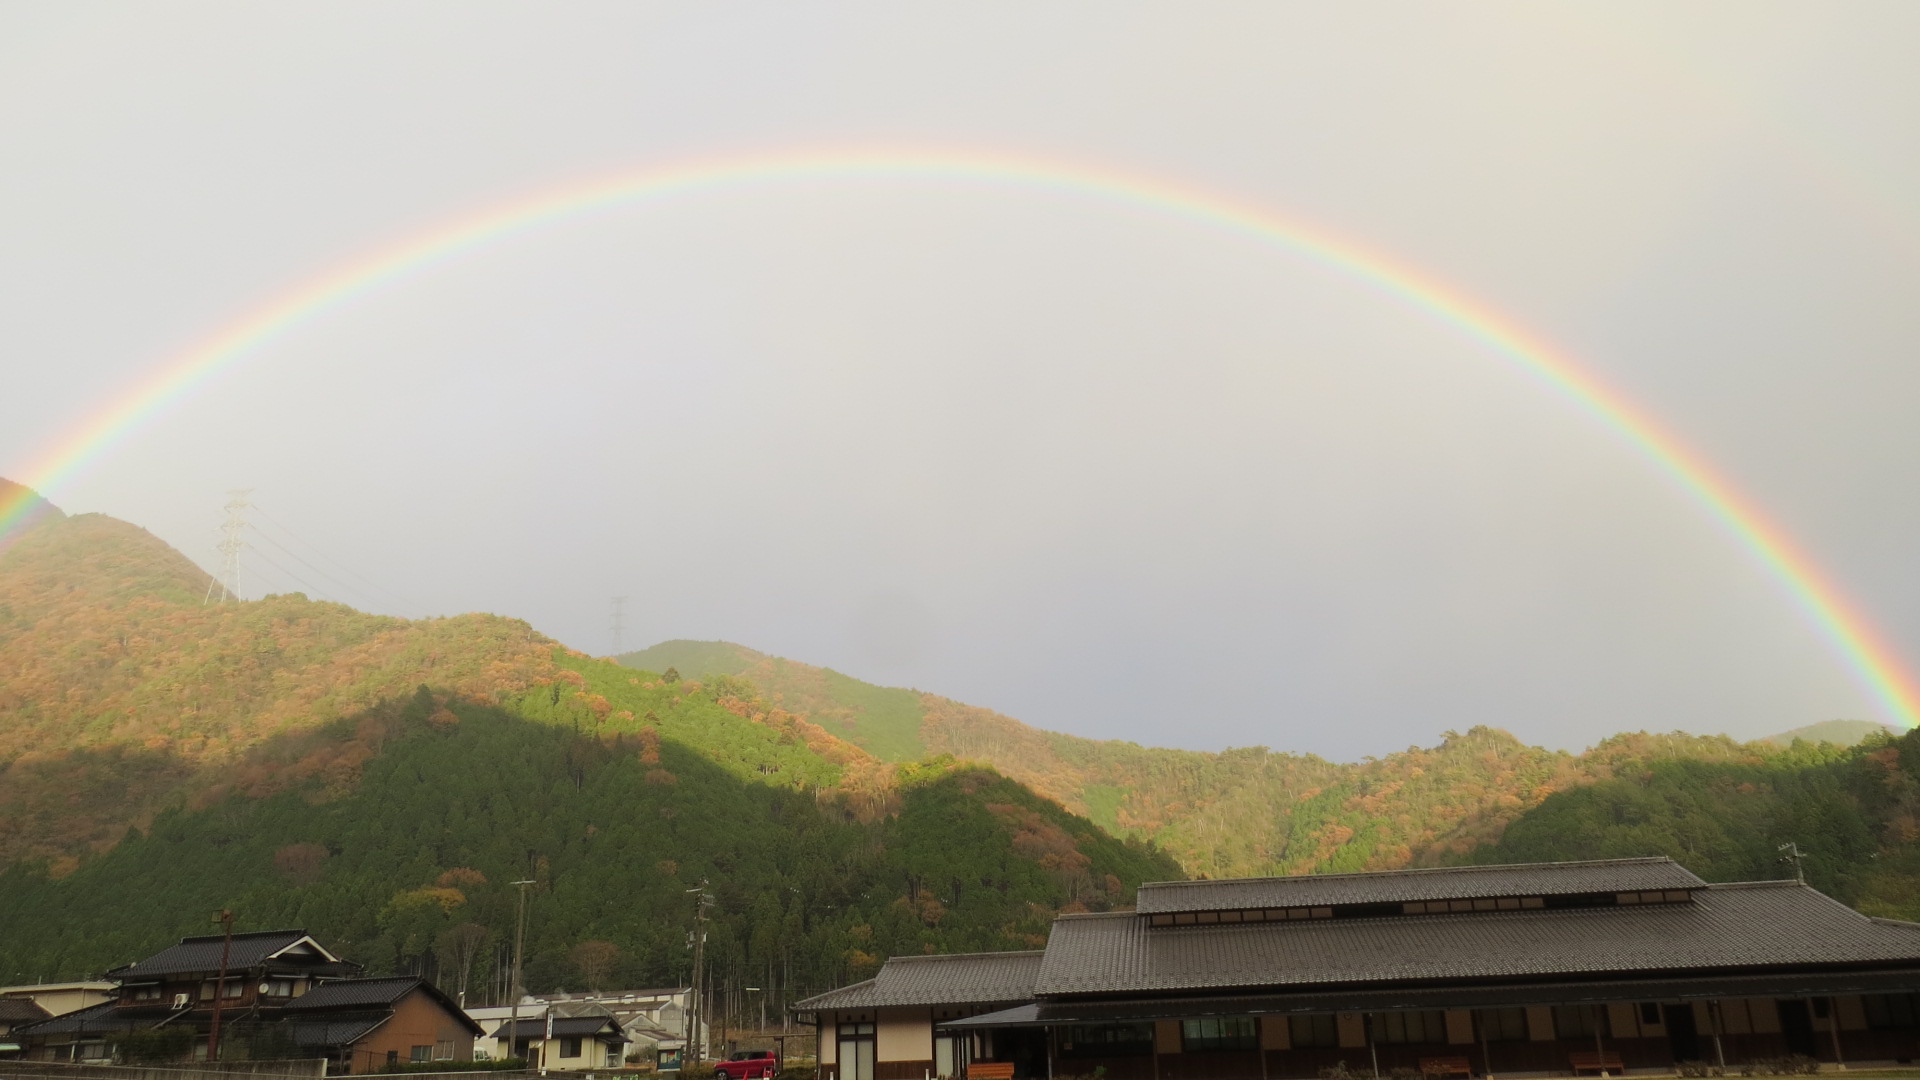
652 1021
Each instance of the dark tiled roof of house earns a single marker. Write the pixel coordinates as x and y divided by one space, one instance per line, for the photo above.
374 994
857 996
1727 927
253 950
330 1032
92 1020
956 979
569 1026
1402 886
21 1011
355 993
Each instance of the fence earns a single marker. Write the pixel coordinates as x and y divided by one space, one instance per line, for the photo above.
298 1069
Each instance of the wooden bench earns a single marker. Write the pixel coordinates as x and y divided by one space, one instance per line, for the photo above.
990 1070
1445 1066
1599 1061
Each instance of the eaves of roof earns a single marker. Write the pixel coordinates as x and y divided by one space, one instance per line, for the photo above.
1785 984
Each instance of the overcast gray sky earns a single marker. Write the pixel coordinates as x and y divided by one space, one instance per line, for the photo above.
1105 469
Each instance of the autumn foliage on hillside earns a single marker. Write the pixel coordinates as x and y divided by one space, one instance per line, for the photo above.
120 687
1238 812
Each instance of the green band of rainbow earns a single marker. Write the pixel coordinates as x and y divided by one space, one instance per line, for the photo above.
1848 632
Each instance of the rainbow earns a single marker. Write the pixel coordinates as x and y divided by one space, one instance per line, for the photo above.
175 379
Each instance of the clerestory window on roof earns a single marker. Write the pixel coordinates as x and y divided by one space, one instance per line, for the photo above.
1249 915
1483 903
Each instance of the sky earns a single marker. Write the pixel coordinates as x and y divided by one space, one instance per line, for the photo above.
1102 466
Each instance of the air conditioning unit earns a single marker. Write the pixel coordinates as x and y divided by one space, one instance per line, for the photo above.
180 1000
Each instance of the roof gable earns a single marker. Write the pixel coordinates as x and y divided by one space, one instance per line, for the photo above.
294 949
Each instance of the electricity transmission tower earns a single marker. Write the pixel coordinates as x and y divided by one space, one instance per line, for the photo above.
619 625
230 546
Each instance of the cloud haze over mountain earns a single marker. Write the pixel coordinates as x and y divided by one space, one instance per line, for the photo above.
1095 463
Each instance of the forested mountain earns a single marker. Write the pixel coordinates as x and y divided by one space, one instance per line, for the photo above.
381 781
1851 814
1243 811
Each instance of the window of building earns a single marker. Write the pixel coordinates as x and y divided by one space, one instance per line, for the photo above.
570 1048
1650 1013
1889 1010
443 1051
1105 1040
1320 1029
277 988
393 1057
1219 1033
950 1055
1575 1021
421 1053
856 1051
1820 1008
1504 1025
1410 1027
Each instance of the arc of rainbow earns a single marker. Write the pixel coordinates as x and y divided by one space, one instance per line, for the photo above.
1849 633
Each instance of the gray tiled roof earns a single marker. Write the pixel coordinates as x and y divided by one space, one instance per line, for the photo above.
1725 927
564 1025
333 1031
955 979
352 993
21 1011
104 1017
202 954
1401 886
856 996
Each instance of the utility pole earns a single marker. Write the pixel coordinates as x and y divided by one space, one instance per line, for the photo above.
1794 855
519 952
696 1011
225 919
619 625
230 547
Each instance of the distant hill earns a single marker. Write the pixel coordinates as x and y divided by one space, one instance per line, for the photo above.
1239 812
21 508
1837 732
380 781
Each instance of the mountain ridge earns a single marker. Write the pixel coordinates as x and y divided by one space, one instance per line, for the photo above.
379 780
1238 812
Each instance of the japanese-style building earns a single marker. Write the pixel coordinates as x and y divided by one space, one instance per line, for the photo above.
1553 968
282 995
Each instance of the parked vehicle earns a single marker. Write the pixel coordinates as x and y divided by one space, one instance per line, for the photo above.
747 1065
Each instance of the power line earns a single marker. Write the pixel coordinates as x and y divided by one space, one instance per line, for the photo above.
336 563
294 555
297 579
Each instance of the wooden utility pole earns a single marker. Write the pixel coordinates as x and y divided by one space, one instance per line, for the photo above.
225 919
513 984
696 1010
